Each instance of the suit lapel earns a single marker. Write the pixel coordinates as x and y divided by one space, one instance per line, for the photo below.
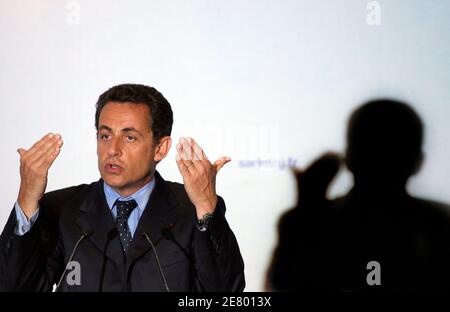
97 216
158 215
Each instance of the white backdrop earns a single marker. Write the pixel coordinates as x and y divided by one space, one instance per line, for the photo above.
265 82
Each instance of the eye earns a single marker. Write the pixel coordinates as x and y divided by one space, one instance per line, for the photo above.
104 136
131 138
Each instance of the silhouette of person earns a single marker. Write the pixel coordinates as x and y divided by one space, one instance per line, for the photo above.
332 244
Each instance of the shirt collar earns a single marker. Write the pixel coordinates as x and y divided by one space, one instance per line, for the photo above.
141 196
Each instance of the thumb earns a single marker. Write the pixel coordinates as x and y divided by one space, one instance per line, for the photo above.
21 151
219 163
313 183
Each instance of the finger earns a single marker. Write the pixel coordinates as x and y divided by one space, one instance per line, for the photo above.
297 172
197 151
36 146
323 169
186 152
315 180
181 165
21 151
53 142
180 159
40 147
47 158
186 148
219 163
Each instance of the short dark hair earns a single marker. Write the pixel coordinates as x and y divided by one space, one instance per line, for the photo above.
161 115
385 135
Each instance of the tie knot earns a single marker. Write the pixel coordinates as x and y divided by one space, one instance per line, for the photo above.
124 208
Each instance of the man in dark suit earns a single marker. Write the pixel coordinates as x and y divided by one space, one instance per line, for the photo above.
131 230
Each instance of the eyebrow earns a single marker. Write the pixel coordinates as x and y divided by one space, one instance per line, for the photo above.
128 129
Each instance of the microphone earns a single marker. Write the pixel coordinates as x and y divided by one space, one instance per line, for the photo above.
83 236
163 277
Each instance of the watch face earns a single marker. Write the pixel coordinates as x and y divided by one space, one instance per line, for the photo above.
202 224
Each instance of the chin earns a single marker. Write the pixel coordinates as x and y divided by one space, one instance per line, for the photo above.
113 181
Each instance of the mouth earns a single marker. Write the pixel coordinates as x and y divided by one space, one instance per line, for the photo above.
113 168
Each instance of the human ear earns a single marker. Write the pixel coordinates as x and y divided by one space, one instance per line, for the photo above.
162 148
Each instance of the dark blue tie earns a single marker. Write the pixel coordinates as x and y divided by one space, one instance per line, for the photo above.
124 209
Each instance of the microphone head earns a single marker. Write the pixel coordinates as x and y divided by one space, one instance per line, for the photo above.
88 232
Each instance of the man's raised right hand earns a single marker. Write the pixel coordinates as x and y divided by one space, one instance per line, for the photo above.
34 165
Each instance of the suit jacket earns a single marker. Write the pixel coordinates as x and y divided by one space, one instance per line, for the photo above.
191 260
327 246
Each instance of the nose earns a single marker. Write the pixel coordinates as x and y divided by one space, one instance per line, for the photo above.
115 148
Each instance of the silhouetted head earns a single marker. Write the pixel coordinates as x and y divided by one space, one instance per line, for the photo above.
384 144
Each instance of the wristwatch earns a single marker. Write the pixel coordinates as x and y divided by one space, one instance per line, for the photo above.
202 224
